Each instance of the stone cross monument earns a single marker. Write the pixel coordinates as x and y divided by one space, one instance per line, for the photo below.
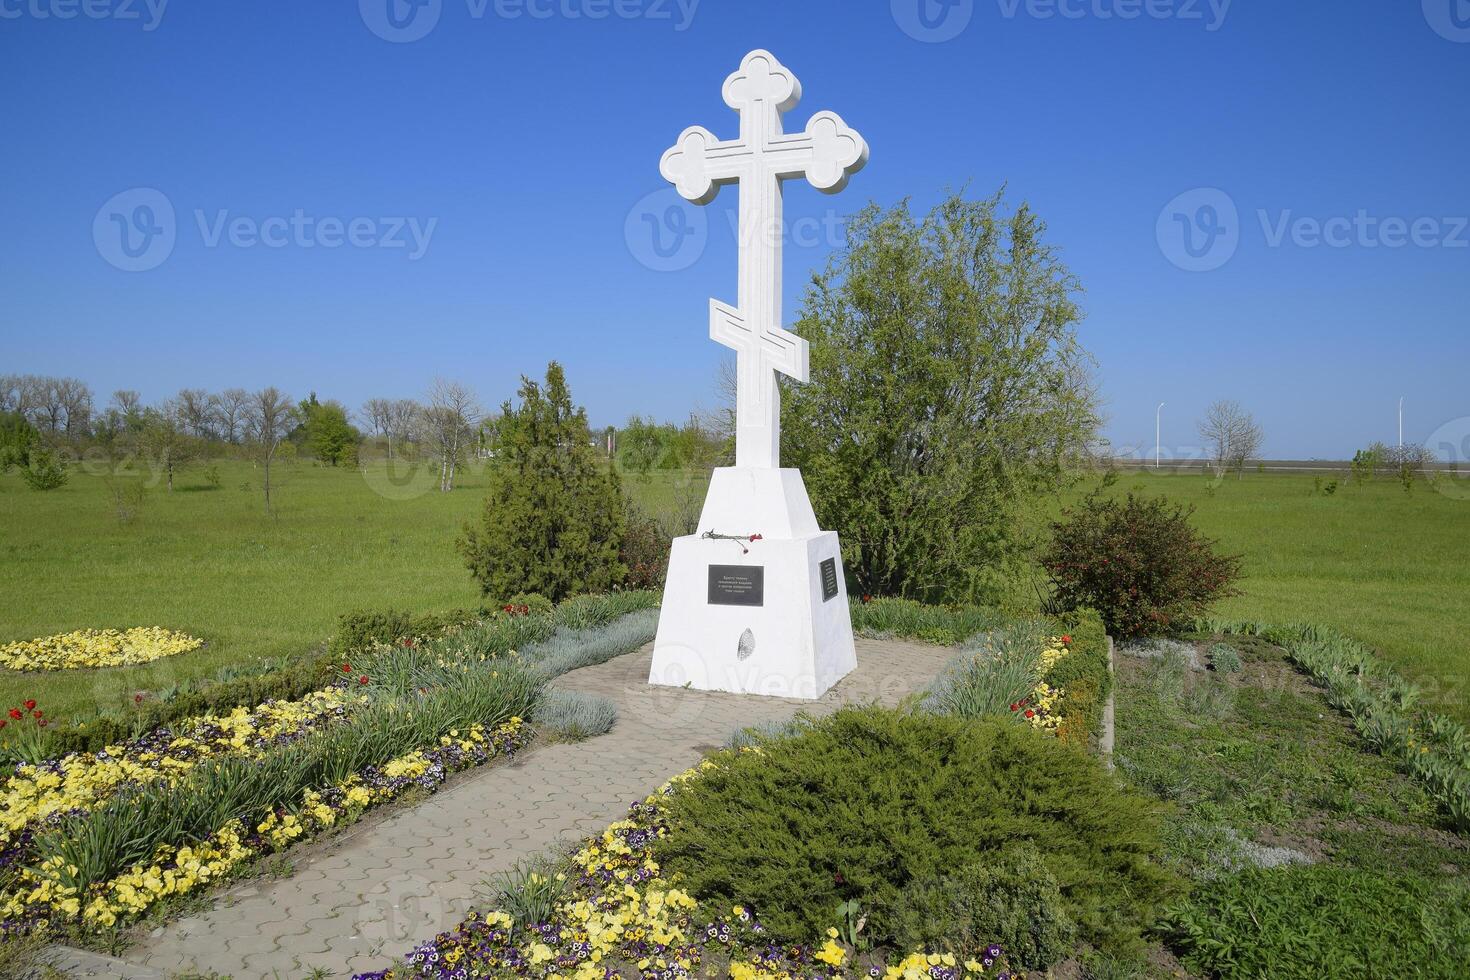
756 602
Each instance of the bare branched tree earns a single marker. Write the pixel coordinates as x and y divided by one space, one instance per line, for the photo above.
229 413
269 416
449 422
375 412
403 419
1231 436
196 409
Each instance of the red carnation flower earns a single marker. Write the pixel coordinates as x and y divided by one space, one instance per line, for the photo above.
30 703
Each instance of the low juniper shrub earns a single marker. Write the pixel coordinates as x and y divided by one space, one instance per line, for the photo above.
861 805
1011 899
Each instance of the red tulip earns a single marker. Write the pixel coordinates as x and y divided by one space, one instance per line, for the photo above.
3 722
43 723
346 668
138 698
30 703
1030 713
1066 639
37 713
16 714
363 679
1015 707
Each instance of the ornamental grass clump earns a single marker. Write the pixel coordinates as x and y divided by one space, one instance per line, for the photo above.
864 804
575 716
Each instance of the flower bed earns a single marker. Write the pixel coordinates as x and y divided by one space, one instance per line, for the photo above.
49 893
97 648
92 838
619 919
35 796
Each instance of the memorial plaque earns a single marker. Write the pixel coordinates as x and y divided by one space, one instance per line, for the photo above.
829 579
737 585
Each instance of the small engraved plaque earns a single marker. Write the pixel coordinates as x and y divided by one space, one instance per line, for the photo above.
829 579
737 585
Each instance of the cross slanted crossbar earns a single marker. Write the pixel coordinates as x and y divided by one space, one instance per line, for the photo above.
827 153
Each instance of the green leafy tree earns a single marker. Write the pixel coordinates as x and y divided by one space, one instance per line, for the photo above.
553 516
645 445
17 439
165 442
948 390
44 470
329 436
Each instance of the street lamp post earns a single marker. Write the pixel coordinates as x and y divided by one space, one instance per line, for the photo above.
1158 434
1401 422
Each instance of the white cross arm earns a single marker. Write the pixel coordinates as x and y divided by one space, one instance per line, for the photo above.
777 348
827 154
699 164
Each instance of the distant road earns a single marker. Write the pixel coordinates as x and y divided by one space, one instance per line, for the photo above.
1271 466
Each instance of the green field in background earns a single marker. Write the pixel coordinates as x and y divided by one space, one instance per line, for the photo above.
1388 567
1385 566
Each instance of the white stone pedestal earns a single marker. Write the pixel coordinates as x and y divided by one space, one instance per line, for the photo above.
768 620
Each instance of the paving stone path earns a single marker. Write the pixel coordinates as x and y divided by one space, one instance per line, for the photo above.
366 896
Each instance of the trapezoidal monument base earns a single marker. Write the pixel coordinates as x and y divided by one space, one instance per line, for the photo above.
768 616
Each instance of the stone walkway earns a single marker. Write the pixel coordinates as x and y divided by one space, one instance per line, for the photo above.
367 896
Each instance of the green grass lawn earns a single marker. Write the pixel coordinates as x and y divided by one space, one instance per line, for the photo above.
212 562
1387 567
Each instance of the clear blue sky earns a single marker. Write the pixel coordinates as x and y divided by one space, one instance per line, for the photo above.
530 141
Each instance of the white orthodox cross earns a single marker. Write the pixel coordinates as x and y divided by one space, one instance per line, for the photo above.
764 156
